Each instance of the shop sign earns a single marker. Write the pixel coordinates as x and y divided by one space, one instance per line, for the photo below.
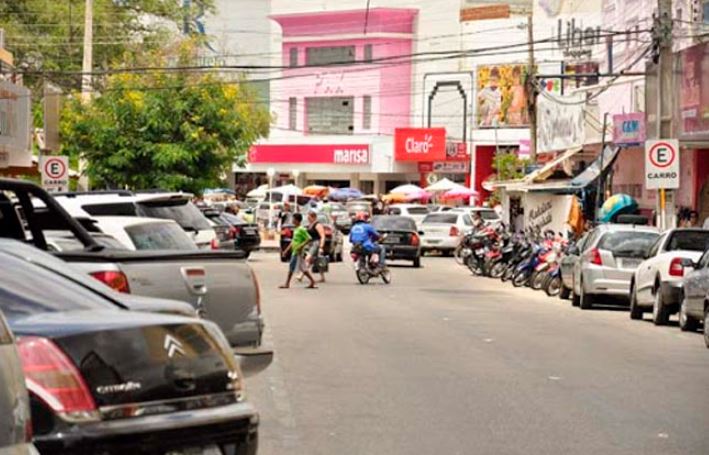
15 126
662 164
629 129
546 211
501 97
352 154
457 151
445 167
485 12
561 123
420 144
693 97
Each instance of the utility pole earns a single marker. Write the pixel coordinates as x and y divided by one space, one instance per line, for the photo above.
532 90
87 65
663 123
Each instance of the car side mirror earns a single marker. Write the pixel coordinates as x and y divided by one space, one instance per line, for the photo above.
253 361
686 262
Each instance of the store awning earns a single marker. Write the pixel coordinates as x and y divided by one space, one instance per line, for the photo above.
547 170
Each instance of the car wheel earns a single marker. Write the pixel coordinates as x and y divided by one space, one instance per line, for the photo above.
585 299
686 322
636 312
417 262
706 326
564 293
660 313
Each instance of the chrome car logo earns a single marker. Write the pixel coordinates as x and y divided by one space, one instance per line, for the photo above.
173 346
118 388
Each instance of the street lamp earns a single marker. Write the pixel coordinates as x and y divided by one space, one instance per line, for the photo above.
270 172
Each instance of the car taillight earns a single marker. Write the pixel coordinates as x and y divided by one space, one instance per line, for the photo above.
116 280
286 232
214 244
454 232
234 232
54 379
676 267
415 240
594 256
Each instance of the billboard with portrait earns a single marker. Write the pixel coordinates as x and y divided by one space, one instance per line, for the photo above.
500 96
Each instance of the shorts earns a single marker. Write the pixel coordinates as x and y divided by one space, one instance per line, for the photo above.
297 263
313 249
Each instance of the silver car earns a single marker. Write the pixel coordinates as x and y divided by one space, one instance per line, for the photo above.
695 303
444 231
609 257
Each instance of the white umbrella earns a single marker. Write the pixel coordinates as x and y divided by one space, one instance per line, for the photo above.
406 189
444 185
288 190
258 192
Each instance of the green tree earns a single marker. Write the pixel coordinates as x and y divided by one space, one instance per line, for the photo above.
167 129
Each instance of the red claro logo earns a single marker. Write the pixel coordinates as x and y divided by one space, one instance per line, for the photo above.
420 144
419 147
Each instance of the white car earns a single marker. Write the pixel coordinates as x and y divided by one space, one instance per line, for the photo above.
444 231
138 233
417 212
489 216
657 283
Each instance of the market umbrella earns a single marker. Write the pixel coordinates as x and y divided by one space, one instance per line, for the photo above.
395 198
316 190
406 189
258 192
343 194
443 186
421 196
458 194
618 204
287 190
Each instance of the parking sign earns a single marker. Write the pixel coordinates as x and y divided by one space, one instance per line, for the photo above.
55 173
662 164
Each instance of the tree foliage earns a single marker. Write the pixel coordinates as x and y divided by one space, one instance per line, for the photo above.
168 129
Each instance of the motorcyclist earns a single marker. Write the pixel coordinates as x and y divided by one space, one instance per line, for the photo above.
363 234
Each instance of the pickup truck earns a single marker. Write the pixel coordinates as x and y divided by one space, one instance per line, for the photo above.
219 284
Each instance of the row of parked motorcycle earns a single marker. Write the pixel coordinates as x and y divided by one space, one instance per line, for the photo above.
532 258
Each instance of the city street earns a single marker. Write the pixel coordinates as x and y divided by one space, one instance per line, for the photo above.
442 362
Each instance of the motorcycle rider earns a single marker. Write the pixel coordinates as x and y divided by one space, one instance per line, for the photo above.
363 233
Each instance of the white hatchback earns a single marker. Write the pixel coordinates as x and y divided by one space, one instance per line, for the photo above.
443 231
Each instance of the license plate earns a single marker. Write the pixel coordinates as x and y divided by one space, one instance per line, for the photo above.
250 231
206 450
629 263
392 239
433 242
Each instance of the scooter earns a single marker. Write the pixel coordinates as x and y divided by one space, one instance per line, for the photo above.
367 266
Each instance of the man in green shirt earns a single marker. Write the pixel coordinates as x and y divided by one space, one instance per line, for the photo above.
300 240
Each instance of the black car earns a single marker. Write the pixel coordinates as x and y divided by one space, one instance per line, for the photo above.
334 239
110 381
401 239
16 429
244 236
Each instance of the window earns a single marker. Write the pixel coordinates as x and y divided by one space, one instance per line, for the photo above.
367 112
442 218
689 241
705 5
394 211
627 243
292 113
332 115
159 236
393 223
418 210
182 211
318 56
293 57
368 53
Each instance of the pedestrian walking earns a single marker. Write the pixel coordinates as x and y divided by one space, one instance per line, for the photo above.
317 244
297 247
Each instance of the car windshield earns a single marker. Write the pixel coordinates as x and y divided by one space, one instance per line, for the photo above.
234 220
188 216
418 210
627 243
20 296
393 223
488 215
689 241
444 218
159 236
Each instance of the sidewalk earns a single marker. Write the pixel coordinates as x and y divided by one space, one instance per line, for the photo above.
272 244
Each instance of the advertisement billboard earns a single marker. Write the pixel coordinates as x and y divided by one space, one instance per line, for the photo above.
354 154
501 97
560 122
693 94
420 144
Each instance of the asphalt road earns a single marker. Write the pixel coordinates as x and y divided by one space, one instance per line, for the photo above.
440 362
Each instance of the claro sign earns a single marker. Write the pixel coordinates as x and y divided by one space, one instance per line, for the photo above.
355 154
420 144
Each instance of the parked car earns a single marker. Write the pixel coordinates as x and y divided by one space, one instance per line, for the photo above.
340 216
334 240
444 231
58 241
695 302
138 233
657 283
120 299
357 206
104 380
401 238
262 213
610 256
568 264
16 428
219 281
489 216
242 235
417 212
172 206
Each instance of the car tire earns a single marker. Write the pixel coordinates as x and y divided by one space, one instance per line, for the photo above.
564 293
686 322
585 299
660 312
636 313
417 262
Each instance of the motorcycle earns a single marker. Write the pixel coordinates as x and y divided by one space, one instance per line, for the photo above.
367 266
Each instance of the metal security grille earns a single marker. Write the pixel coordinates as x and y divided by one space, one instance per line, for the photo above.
315 56
330 115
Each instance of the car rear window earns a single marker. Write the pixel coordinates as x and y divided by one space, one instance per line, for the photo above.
689 241
188 216
445 218
393 223
488 215
159 236
627 243
418 210
20 296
